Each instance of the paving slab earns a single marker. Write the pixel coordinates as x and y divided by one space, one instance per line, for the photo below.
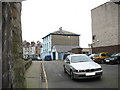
32 75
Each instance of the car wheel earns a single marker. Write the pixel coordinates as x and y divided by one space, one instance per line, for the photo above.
72 75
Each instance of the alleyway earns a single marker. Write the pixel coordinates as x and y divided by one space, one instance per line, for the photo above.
32 75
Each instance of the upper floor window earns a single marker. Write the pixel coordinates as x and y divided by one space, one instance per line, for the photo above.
94 37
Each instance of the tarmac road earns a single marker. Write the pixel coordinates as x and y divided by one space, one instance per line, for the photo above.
56 78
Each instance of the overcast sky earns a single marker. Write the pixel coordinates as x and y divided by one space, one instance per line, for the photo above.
41 17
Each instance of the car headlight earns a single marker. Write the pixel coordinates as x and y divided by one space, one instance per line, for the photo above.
73 69
79 70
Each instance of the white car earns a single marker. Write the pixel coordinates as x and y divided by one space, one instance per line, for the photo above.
80 66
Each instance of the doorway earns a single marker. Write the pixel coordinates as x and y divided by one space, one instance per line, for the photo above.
54 56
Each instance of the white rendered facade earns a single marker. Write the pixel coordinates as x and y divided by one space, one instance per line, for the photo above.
47 45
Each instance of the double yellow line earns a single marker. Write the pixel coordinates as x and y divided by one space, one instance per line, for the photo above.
46 81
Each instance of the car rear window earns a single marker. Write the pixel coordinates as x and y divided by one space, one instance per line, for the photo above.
103 54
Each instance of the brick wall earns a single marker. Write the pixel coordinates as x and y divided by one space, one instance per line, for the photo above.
109 49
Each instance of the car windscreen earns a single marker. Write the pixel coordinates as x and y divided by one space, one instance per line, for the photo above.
75 59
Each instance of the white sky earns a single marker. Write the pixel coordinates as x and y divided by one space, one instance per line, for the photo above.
41 17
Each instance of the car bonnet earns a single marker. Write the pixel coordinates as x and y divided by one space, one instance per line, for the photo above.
85 65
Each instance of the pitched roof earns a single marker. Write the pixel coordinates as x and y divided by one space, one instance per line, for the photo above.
64 48
62 32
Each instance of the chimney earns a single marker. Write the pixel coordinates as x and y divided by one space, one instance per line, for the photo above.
60 28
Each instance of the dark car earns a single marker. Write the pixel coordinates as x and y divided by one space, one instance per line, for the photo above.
114 59
33 57
66 54
48 58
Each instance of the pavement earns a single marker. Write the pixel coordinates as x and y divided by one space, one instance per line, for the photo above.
32 75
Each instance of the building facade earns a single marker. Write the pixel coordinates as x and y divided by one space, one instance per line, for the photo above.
106 28
62 38
86 50
26 46
31 50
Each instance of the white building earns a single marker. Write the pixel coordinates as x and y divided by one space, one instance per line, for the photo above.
58 38
47 45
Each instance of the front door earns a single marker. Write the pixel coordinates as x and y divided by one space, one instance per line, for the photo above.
54 56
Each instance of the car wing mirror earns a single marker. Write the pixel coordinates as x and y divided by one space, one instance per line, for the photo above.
68 62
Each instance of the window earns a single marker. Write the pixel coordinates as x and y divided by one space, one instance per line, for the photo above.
93 37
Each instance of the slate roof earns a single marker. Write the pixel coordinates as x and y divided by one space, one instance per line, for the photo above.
62 32
64 48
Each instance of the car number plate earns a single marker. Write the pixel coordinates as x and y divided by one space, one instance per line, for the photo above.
107 60
89 74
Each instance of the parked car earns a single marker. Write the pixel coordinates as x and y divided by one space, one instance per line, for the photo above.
66 54
99 58
80 66
33 57
93 55
114 59
39 59
48 58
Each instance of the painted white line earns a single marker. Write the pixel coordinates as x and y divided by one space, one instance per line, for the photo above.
46 81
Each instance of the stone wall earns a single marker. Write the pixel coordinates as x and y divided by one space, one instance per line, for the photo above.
12 64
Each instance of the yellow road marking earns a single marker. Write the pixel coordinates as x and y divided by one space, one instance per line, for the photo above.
46 81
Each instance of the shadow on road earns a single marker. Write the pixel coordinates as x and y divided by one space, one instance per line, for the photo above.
87 80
